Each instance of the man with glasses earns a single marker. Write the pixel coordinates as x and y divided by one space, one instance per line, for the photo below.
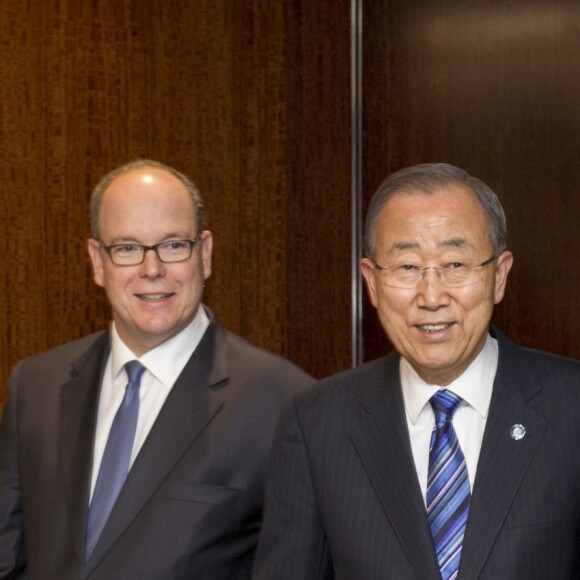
456 455
139 453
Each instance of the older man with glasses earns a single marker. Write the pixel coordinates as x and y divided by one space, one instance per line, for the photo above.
456 455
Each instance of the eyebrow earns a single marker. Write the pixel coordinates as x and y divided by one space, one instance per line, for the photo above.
134 240
456 242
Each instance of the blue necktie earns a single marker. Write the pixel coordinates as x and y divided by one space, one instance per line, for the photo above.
448 491
115 462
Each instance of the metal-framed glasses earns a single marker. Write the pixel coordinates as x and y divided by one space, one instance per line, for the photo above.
168 252
453 274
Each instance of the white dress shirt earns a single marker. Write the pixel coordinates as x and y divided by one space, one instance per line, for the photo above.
474 386
163 366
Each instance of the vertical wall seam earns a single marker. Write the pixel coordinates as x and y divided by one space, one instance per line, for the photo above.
356 181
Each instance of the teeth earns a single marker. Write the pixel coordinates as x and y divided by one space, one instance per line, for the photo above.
433 327
153 296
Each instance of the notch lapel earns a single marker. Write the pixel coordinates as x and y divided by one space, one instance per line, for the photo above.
503 461
381 439
79 404
189 408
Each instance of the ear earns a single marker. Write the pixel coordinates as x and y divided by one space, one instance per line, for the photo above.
502 269
206 250
369 274
96 257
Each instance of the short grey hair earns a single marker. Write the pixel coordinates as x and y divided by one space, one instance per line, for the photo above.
429 178
103 185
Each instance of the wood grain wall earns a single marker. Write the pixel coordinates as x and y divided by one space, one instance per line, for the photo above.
249 98
319 163
252 99
494 87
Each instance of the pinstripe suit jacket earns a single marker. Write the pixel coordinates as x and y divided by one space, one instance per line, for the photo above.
343 501
191 506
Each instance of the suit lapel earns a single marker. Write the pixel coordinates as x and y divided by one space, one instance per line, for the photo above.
503 461
79 404
188 409
381 439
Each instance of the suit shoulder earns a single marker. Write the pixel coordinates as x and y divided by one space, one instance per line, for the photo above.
259 355
541 361
345 385
512 355
61 357
554 378
256 364
552 367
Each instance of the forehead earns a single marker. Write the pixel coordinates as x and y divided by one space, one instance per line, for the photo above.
451 216
146 198
145 179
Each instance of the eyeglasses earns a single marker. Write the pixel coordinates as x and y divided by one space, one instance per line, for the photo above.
168 252
454 274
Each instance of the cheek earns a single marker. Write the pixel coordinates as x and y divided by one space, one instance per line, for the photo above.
116 284
191 280
486 296
478 305
393 309
396 300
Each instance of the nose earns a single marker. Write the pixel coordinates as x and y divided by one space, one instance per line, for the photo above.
152 266
432 292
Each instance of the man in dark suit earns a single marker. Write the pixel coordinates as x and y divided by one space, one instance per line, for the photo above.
456 455
193 426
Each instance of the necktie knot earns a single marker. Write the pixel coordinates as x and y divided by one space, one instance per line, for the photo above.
135 371
444 404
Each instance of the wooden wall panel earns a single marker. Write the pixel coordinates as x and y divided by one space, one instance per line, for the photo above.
494 87
319 188
203 85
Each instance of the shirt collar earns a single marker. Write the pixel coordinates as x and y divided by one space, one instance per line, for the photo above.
167 360
474 386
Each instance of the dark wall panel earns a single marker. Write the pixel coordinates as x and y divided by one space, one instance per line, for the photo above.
494 87
319 184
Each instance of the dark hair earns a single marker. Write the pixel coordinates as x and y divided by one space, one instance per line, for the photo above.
429 178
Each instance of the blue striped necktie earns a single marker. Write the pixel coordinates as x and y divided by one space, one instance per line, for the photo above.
448 491
116 457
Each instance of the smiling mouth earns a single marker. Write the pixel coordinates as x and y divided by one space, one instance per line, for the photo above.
154 297
434 327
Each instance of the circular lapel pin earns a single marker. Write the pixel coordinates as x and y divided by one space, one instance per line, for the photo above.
517 432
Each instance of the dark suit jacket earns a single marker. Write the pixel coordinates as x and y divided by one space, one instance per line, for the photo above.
191 506
343 500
